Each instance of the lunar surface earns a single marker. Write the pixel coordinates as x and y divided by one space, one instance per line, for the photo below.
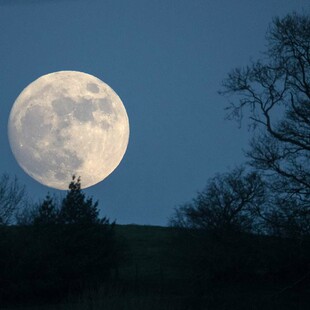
68 123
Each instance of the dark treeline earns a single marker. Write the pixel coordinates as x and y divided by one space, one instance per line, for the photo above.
55 250
229 255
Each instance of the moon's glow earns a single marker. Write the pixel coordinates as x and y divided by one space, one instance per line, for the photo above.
67 123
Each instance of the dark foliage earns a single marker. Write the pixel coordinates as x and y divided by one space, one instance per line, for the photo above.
64 250
229 203
222 270
75 208
47 213
214 239
12 195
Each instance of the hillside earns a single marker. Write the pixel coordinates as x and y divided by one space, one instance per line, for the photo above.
149 252
162 269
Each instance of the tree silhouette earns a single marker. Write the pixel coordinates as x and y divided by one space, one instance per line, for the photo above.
275 94
47 212
75 208
11 197
229 203
85 242
57 249
214 230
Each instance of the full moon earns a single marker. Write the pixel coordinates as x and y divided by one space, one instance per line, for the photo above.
68 123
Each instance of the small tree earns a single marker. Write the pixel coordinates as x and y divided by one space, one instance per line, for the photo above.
85 242
75 208
47 212
11 197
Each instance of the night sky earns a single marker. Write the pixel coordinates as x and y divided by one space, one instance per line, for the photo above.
166 60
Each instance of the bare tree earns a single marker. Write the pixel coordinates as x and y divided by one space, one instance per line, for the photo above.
11 197
229 202
275 94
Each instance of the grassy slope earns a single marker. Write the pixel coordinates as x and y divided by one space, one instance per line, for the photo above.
153 258
148 254
150 266
146 268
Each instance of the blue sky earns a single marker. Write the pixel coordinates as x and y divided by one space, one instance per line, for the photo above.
166 60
